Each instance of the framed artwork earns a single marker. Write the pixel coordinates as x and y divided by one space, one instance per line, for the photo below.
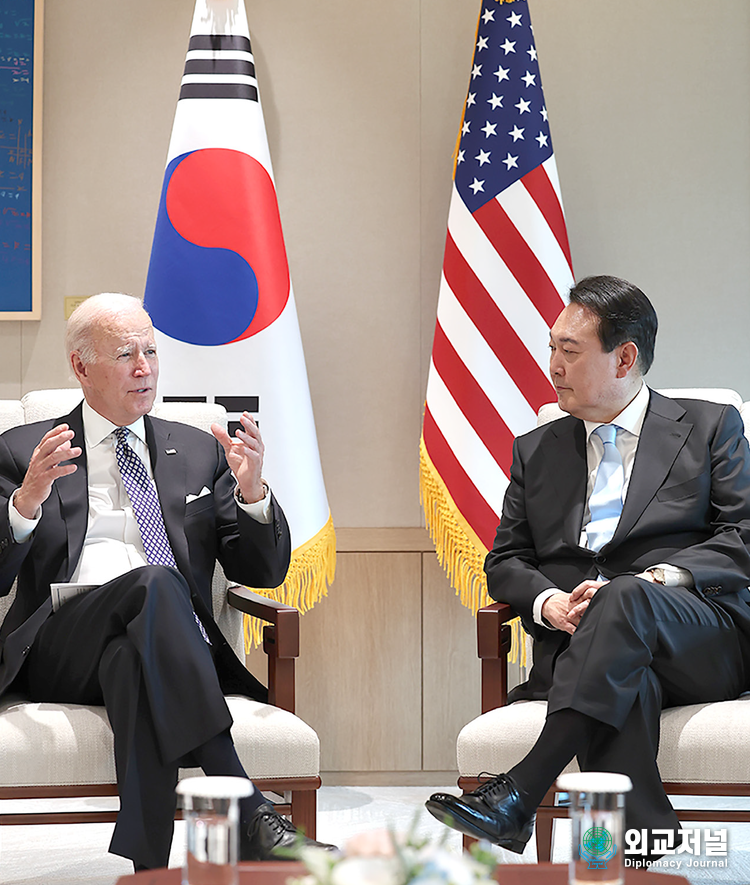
21 35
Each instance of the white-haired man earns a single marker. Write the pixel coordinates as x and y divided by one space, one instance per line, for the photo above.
142 509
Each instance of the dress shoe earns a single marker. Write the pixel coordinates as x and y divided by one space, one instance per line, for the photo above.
270 836
494 811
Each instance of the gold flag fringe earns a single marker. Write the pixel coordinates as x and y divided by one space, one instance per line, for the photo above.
459 550
311 570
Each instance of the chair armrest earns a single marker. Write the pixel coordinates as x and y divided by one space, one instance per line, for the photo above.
493 645
280 641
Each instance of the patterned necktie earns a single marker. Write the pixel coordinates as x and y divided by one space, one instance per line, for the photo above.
146 507
605 503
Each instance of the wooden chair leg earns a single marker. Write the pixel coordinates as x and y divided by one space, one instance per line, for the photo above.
544 822
305 811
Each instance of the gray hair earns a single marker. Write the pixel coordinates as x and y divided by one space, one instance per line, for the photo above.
91 315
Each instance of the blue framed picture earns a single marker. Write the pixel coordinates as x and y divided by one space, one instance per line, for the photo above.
21 34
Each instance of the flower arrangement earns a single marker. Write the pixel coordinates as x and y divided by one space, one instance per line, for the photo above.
382 857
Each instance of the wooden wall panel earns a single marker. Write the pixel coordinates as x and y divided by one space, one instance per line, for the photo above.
360 668
451 667
388 672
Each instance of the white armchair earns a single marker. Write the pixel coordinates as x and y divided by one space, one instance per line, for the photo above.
66 750
703 749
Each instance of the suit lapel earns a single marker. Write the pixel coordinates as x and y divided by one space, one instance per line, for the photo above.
73 492
565 461
169 467
662 437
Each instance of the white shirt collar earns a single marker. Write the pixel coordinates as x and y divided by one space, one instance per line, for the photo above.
97 428
631 418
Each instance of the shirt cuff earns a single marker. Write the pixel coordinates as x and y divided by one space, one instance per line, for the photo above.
537 607
675 576
21 528
260 511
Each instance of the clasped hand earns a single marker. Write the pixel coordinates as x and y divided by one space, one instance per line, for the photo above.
564 611
244 454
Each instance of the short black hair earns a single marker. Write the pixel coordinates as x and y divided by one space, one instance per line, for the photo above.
624 313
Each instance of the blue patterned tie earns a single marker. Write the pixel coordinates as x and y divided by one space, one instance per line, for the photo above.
605 503
142 493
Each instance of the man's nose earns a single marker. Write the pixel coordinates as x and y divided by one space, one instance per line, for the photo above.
141 365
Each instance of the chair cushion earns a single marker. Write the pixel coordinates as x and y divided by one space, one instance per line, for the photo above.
64 744
700 743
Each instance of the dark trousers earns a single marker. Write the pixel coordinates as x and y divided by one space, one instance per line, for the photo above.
133 645
641 647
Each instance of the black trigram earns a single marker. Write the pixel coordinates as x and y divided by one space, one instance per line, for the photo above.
235 406
227 55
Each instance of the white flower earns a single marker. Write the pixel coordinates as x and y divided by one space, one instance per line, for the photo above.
367 871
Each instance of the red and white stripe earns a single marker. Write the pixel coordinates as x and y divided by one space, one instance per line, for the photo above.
506 272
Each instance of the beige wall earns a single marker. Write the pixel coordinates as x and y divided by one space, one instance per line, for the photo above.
648 104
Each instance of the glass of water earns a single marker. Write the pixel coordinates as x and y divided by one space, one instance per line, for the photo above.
597 812
211 809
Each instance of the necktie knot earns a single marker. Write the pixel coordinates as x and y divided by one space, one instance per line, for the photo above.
607 433
121 435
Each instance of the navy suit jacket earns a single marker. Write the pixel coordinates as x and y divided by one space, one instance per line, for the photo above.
688 504
184 461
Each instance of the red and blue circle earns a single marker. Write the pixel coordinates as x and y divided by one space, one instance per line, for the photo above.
218 271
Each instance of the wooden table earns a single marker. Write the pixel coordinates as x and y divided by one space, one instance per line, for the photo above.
277 873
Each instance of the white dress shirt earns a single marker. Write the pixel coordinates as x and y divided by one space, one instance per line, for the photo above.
630 421
113 544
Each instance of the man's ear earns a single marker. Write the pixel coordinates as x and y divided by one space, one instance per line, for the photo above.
627 358
78 366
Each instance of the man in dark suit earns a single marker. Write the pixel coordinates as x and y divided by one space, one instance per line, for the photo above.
628 565
142 509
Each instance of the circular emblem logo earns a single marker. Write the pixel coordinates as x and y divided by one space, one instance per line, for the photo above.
598 842
597 847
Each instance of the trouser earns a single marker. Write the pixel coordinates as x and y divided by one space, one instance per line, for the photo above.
133 645
638 648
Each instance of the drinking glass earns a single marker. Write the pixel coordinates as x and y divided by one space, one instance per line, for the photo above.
597 811
211 810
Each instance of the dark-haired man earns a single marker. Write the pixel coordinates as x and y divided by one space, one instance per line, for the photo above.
623 546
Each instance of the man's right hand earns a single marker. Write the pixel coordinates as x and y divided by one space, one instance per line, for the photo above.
563 611
48 463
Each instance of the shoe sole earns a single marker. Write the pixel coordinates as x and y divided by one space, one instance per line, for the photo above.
468 828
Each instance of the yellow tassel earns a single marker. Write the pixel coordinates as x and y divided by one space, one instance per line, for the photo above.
459 550
311 570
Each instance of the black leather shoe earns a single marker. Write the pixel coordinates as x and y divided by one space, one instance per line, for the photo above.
494 811
270 836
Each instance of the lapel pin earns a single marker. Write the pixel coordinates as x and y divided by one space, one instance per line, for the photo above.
171 451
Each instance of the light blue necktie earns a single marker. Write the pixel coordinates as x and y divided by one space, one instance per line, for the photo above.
146 507
605 503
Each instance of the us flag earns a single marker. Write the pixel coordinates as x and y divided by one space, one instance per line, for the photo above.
506 272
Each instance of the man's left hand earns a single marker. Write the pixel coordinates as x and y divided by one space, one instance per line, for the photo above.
245 457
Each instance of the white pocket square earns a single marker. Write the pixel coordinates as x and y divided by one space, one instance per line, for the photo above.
201 493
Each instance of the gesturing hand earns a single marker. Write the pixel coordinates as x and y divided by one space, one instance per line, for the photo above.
245 456
48 463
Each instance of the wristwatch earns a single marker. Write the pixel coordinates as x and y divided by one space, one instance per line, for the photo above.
659 576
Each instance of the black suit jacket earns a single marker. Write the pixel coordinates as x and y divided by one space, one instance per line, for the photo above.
210 527
688 504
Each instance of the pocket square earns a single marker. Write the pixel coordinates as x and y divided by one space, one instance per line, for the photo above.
204 491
